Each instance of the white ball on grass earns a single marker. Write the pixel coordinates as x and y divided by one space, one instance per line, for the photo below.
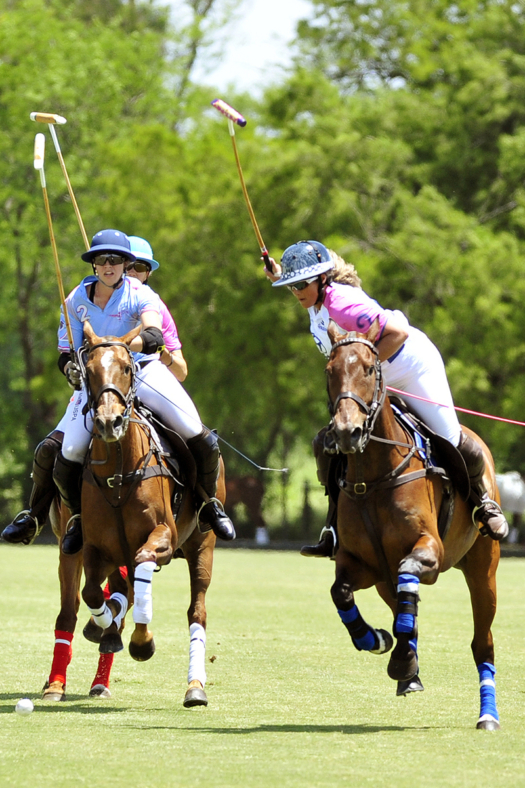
24 706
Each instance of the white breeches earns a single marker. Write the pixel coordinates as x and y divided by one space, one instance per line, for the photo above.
419 369
157 388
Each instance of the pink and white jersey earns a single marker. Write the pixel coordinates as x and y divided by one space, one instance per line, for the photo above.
350 308
169 329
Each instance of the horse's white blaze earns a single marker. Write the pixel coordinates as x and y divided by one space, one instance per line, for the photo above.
107 359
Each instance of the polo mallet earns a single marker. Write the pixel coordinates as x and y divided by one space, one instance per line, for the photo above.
52 120
40 146
236 117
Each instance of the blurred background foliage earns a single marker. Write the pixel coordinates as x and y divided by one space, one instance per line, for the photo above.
397 138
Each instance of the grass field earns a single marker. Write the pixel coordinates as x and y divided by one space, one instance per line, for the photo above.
291 702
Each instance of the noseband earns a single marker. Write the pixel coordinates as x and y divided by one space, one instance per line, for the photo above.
378 398
127 399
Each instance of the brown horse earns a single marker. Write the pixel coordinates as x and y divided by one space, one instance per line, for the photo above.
127 517
387 522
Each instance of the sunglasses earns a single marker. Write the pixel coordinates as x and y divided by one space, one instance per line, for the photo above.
141 268
112 259
301 285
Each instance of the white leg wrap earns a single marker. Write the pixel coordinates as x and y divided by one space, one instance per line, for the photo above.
143 608
196 670
102 616
123 607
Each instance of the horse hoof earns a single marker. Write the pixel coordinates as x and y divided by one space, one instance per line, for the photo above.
488 723
195 697
92 632
56 691
406 687
403 669
386 641
111 644
99 691
142 652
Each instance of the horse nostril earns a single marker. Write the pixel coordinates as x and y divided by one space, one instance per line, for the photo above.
100 425
117 422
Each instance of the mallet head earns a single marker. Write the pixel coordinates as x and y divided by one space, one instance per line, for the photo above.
230 112
40 146
47 117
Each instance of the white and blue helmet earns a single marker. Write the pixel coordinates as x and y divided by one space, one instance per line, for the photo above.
304 260
142 251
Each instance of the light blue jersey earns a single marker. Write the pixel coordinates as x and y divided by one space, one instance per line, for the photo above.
121 314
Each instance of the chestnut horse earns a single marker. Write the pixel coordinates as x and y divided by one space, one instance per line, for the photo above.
127 518
387 522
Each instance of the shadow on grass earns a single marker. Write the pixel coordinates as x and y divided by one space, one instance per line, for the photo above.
345 729
77 703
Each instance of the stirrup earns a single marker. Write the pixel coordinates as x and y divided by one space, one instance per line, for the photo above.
38 528
484 527
310 551
70 521
205 527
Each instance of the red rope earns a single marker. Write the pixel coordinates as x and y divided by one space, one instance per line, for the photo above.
462 410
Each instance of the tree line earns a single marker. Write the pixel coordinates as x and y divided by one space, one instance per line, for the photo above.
396 138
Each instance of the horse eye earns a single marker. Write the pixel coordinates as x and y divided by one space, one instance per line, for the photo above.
371 370
127 370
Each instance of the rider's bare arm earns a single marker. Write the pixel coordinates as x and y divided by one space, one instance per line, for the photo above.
393 338
176 363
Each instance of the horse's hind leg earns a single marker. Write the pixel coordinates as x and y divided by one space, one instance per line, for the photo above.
422 564
479 568
198 551
69 573
364 637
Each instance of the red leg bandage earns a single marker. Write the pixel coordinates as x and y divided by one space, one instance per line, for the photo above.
61 656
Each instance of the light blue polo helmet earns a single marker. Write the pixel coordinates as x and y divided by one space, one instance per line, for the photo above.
303 260
142 251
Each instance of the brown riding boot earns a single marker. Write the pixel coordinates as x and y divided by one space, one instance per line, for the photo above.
487 514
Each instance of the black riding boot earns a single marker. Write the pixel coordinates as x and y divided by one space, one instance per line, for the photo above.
326 546
27 524
68 479
487 514
205 450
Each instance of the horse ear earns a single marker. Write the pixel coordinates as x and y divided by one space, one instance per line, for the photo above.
89 333
130 336
334 332
374 331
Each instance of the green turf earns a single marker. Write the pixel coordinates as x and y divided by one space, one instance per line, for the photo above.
291 702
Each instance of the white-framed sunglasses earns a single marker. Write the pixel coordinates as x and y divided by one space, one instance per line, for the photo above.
301 285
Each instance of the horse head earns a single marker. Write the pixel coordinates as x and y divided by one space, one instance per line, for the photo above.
110 381
355 389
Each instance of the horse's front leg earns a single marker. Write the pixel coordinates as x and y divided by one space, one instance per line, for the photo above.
350 576
157 551
69 573
107 615
116 589
421 565
198 551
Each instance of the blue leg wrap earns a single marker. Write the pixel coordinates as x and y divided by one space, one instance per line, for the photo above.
407 589
487 690
363 636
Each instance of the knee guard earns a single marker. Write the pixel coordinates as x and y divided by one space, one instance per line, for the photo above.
205 450
321 458
44 458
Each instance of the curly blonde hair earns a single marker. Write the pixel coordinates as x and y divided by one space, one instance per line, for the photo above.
343 272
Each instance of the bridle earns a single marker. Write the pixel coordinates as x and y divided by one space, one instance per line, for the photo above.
378 397
127 399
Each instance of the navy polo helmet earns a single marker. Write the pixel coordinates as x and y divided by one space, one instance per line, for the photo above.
304 260
107 241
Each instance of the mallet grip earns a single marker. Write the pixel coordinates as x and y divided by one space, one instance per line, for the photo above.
47 117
